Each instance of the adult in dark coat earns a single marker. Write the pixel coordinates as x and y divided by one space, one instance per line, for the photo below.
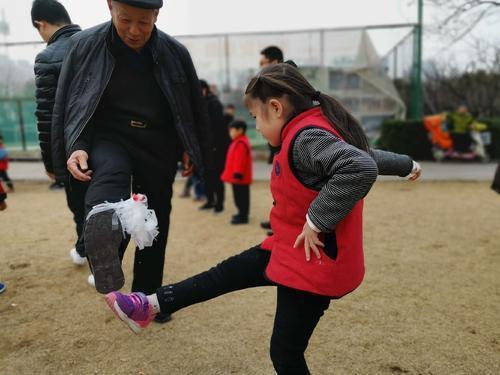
128 108
54 25
220 143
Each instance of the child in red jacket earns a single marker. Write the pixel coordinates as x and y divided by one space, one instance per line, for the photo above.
3 206
238 170
4 166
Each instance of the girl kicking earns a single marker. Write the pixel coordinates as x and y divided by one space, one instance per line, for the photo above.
320 176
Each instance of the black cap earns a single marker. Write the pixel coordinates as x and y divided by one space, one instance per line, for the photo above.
144 4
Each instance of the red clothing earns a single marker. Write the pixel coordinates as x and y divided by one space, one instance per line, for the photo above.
238 162
339 271
4 163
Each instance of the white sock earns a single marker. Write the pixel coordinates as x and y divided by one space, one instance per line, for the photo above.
153 300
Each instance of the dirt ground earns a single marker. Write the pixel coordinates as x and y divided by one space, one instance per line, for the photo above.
430 302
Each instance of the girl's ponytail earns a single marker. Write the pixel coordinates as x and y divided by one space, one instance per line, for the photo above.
342 120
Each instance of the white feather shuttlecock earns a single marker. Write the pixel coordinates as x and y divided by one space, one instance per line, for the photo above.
135 218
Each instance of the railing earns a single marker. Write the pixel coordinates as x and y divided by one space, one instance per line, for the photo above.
18 123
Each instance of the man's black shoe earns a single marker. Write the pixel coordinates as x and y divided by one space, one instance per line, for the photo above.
163 318
56 186
207 206
265 225
239 220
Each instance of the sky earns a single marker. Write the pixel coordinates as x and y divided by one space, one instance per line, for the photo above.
186 17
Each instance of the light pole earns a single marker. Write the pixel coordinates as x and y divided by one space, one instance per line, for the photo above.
416 108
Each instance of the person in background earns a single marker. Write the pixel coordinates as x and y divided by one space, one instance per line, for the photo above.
4 166
3 206
238 170
3 198
54 25
459 125
220 142
229 115
271 55
496 180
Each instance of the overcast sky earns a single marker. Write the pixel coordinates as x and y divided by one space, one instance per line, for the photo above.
181 17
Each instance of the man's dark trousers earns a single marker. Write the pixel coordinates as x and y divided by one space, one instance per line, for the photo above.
75 197
116 168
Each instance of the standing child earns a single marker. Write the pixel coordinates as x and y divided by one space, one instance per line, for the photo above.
3 206
4 166
320 176
238 170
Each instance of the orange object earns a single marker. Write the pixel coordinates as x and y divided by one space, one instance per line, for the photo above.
439 137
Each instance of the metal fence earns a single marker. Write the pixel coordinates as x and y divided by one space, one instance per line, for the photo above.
343 62
18 123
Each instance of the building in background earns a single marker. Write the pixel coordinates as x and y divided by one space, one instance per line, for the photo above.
342 62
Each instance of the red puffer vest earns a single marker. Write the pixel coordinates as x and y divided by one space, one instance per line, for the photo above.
332 276
239 160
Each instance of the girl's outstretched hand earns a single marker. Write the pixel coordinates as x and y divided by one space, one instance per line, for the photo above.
416 172
310 238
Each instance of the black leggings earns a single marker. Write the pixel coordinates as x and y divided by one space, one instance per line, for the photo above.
5 177
297 312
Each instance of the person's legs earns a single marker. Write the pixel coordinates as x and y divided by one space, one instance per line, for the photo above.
75 198
209 190
242 201
149 262
186 192
297 314
219 190
496 180
103 235
242 271
4 176
199 188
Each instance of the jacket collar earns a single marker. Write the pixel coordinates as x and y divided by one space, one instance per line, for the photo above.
114 40
68 29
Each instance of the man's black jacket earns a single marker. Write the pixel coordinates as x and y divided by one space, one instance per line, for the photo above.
86 71
47 68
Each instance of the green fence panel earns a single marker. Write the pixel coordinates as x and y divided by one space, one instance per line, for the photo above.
18 123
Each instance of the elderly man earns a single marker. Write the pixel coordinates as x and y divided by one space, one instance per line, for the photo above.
128 108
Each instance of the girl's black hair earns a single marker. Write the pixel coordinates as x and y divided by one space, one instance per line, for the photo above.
277 81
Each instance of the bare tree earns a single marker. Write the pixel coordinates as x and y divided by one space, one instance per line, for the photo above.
477 86
460 17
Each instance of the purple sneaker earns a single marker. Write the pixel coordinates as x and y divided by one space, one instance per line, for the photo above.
134 309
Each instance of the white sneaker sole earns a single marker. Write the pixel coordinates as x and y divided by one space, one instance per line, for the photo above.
131 324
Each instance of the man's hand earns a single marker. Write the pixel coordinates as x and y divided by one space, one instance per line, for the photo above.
311 240
187 166
78 167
